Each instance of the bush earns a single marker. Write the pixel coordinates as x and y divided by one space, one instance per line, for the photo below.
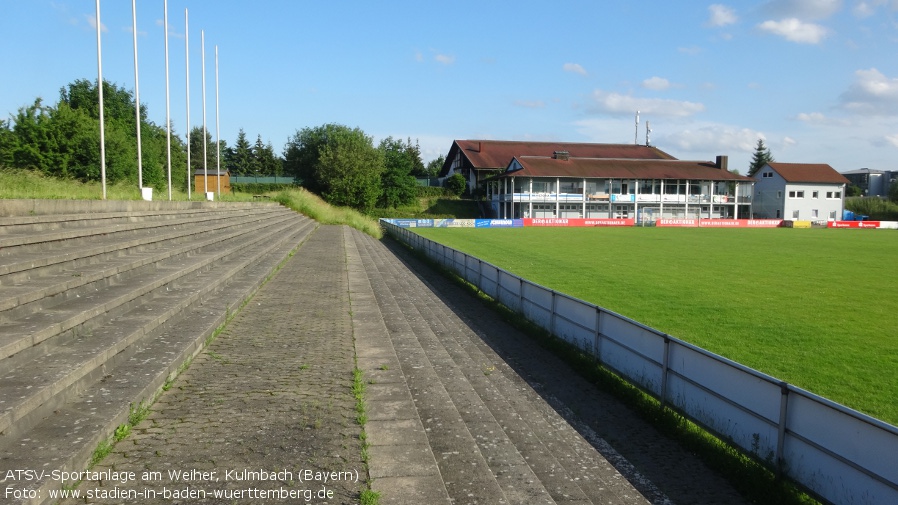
456 184
427 191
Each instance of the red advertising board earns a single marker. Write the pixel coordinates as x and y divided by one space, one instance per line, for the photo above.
853 224
538 221
680 223
720 223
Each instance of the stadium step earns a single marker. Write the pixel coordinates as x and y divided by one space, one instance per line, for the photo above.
493 439
79 353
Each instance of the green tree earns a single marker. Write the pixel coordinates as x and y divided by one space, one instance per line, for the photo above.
337 162
196 150
240 158
434 166
349 169
398 185
893 191
7 143
456 184
760 158
414 154
266 161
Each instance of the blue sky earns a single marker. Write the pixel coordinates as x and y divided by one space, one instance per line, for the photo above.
816 79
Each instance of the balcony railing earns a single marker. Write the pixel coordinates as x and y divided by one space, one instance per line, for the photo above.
625 198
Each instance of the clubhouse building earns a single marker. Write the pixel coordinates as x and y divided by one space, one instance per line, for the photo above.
613 181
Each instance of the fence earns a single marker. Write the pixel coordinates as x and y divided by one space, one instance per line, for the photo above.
837 454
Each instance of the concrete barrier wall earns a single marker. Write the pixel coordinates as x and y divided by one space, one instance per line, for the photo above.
838 454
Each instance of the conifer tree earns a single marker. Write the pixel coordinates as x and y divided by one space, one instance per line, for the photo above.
760 158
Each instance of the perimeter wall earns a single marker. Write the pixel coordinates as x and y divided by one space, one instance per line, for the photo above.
839 455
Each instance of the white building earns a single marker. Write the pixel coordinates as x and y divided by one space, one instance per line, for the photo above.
799 191
564 186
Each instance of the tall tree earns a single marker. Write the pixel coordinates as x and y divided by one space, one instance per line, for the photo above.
434 166
196 150
340 164
398 185
266 162
240 160
760 158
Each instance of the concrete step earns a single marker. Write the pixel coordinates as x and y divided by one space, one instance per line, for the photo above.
11 226
19 264
12 246
57 407
76 312
38 385
530 452
78 269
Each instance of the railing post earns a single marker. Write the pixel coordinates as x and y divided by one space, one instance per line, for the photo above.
552 315
665 362
521 294
781 428
597 345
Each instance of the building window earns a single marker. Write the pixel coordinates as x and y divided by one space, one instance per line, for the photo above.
815 195
796 194
832 215
767 175
814 213
794 214
779 195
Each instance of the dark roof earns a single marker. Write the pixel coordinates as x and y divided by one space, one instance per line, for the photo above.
496 154
808 172
621 169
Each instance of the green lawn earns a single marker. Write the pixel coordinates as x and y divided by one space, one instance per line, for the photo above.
816 308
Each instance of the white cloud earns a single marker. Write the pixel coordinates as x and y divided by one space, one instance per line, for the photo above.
691 50
616 103
656 83
714 138
795 30
721 15
803 9
892 140
871 93
813 117
92 21
530 104
574 68
445 59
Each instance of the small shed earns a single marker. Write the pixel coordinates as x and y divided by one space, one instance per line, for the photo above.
208 180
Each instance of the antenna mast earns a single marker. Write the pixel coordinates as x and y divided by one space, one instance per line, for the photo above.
636 134
648 131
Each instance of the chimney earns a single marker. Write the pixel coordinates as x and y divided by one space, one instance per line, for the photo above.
722 162
561 155
479 147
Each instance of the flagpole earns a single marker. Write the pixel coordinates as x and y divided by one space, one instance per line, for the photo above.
167 103
187 60
100 90
137 97
205 165
217 128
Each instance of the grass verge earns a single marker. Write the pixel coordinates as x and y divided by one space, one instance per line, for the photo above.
751 477
805 306
312 205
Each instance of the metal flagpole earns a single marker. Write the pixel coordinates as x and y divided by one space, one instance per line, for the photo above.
217 128
100 90
137 97
187 60
205 166
167 103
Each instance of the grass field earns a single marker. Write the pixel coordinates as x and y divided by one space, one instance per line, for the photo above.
816 308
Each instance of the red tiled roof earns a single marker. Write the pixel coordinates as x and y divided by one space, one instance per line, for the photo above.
496 154
621 169
808 172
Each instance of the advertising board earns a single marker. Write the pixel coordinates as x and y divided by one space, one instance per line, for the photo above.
853 224
537 221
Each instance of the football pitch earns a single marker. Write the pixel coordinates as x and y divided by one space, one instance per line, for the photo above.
817 308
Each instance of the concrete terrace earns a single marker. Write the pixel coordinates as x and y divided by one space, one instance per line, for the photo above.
102 305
